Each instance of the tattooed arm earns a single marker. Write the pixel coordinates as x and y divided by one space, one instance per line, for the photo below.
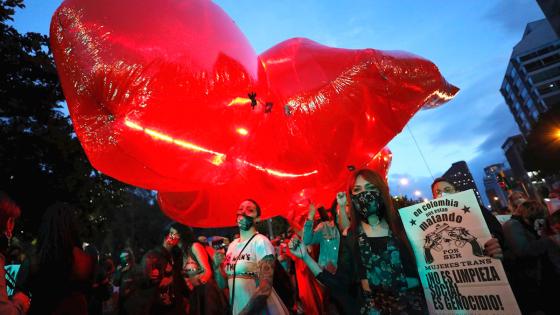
258 300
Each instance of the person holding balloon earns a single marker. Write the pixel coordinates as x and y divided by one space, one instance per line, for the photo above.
250 267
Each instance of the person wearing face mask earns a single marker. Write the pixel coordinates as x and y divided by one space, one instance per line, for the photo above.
386 268
162 277
249 266
493 247
532 276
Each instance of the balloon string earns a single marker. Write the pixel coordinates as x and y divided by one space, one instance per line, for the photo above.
420 151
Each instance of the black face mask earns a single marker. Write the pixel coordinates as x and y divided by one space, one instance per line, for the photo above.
368 203
246 223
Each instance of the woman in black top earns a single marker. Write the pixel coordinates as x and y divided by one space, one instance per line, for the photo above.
376 273
386 268
205 296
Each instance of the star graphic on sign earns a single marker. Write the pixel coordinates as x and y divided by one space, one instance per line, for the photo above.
466 209
412 222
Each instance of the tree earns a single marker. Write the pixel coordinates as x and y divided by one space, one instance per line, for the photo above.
543 145
403 201
42 161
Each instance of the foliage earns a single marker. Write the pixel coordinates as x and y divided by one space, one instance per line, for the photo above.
41 159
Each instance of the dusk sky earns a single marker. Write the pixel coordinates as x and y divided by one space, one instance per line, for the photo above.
470 41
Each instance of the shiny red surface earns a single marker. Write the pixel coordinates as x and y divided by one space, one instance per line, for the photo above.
158 94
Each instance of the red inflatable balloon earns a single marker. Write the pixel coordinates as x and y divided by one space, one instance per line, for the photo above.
170 95
213 207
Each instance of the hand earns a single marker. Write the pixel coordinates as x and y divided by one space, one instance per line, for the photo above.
296 248
23 300
341 200
493 249
166 281
311 214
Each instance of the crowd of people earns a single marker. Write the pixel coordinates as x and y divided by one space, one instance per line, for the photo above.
351 257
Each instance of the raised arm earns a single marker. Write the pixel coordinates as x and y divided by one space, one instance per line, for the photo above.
311 236
343 221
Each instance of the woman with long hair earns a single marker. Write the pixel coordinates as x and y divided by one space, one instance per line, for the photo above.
61 273
386 267
205 296
250 267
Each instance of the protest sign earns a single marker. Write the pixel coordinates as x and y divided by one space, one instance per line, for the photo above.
448 235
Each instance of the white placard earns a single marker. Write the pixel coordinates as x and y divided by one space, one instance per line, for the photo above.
448 236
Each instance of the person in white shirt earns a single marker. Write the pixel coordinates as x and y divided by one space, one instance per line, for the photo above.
249 266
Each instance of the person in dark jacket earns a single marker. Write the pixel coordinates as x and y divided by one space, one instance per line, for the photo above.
527 258
161 289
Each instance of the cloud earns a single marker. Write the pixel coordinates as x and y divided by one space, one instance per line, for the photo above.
512 15
469 106
502 126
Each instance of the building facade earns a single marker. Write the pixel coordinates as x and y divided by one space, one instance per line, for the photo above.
531 85
496 194
551 9
461 177
513 149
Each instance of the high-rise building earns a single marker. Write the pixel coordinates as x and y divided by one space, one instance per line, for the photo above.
551 9
531 85
513 149
461 177
495 193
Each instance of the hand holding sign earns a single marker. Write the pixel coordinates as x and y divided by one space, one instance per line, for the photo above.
446 235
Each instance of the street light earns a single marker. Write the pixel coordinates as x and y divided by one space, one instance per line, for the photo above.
417 193
404 181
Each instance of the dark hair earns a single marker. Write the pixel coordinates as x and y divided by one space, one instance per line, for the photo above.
187 237
386 208
256 206
531 210
333 211
8 209
323 214
58 235
175 225
391 215
439 180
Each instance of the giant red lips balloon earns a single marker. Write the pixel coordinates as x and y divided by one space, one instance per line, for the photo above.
170 95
